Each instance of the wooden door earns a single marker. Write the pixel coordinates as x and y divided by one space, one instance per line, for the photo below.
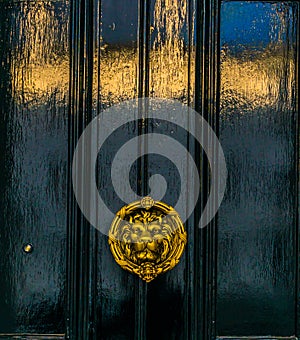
236 64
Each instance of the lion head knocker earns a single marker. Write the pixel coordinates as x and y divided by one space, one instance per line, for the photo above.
147 238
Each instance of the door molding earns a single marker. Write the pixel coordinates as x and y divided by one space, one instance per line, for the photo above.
207 85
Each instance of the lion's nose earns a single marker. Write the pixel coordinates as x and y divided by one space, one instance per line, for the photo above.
146 237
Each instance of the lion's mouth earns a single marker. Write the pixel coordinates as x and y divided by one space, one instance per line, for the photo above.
149 252
146 255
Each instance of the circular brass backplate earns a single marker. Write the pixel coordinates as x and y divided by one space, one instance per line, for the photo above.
147 238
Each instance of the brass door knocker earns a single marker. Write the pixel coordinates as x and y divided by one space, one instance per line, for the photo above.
147 238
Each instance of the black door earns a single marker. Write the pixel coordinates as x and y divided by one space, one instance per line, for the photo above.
236 64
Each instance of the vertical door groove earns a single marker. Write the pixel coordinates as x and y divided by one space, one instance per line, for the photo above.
142 171
81 78
296 33
207 104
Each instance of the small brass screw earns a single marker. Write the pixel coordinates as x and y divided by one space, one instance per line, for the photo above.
28 248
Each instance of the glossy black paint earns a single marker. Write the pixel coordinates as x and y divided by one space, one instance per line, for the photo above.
70 282
257 229
34 140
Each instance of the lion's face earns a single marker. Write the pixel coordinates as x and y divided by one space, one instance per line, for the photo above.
146 241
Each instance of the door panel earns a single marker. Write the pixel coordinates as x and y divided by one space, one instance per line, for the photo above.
34 140
257 224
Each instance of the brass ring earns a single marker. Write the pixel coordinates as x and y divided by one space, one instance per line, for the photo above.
147 238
